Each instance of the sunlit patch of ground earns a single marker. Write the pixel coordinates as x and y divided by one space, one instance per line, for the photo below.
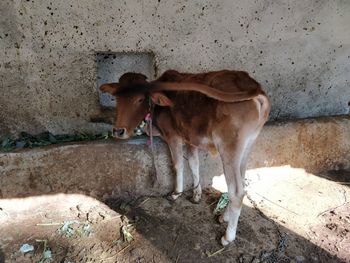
311 206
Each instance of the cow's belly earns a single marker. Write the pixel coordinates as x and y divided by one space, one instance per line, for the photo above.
203 142
207 144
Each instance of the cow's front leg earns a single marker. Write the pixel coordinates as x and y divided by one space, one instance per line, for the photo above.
176 150
193 161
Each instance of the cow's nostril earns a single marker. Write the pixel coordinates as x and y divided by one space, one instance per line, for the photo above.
118 132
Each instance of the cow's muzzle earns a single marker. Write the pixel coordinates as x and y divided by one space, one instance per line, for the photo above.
120 133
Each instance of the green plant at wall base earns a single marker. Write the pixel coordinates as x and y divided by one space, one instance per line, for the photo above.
6 143
26 140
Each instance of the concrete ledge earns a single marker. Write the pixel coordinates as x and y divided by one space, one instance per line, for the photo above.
106 169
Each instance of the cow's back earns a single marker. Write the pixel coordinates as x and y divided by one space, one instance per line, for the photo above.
196 116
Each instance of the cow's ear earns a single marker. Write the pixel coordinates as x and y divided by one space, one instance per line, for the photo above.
161 99
111 88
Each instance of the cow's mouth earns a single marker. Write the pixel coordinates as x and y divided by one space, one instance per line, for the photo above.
125 137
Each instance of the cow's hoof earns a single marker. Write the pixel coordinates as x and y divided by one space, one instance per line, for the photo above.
224 241
173 196
196 195
195 199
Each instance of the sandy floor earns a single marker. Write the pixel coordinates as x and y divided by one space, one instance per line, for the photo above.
288 216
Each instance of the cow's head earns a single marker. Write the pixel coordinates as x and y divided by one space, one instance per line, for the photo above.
133 95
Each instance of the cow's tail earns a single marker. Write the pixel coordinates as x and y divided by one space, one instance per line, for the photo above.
207 90
264 106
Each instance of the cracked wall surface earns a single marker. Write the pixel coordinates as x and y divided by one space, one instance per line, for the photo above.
298 50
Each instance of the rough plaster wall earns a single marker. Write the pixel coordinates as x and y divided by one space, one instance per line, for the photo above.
298 50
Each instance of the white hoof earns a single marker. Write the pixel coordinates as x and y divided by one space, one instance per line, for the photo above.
224 241
197 195
196 198
174 196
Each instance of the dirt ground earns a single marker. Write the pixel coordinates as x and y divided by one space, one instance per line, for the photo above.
288 216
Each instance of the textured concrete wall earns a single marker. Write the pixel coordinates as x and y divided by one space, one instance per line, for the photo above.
299 51
109 169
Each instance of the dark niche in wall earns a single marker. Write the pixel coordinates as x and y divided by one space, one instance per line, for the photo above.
111 65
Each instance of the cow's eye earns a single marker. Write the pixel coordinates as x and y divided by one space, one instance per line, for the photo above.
140 100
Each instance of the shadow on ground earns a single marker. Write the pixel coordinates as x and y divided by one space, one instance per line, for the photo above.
185 232
2 256
162 231
338 176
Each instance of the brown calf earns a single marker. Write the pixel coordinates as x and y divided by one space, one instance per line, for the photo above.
220 111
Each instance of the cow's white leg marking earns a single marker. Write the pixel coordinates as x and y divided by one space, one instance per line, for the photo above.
193 161
235 193
231 156
176 149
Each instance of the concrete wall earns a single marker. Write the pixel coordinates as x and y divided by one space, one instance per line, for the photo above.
299 51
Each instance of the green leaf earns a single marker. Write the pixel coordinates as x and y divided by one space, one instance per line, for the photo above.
47 254
67 228
105 135
52 138
7 144
222 203
126 235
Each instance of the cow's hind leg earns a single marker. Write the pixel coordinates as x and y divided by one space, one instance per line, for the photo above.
231 155
247 149
224 217
193 161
